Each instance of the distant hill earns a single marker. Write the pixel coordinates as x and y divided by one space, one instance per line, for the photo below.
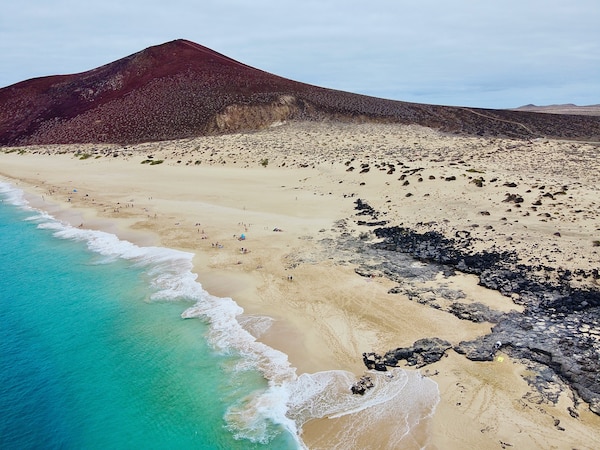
181 89
569 108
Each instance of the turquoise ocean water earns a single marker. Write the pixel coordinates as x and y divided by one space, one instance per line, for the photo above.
94 352
104 344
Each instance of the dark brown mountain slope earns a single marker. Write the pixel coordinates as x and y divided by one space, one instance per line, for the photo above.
181 89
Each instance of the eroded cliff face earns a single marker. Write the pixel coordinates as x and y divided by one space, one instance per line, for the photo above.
245 117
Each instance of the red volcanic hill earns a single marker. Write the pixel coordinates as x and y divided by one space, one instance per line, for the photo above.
182 89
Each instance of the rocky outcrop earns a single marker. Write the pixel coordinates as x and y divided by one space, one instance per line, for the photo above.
362 385
421 353
560 325
373 361
475 312
565 343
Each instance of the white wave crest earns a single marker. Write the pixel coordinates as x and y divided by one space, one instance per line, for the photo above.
169 271
399 400
12 195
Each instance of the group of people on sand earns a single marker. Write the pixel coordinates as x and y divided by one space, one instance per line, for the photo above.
241 237
204 236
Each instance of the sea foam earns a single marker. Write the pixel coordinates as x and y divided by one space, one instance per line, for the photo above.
12 195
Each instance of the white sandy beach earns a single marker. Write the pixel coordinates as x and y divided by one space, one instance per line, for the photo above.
297 178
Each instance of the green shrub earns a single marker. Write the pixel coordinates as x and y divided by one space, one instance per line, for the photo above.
478 181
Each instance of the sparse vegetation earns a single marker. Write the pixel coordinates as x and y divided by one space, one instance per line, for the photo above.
152 162
478 181
264 162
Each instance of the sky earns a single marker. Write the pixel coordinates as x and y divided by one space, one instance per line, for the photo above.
479 53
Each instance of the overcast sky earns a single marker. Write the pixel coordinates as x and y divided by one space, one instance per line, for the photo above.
481 53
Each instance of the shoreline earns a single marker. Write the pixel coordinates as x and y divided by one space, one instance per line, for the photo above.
333 314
